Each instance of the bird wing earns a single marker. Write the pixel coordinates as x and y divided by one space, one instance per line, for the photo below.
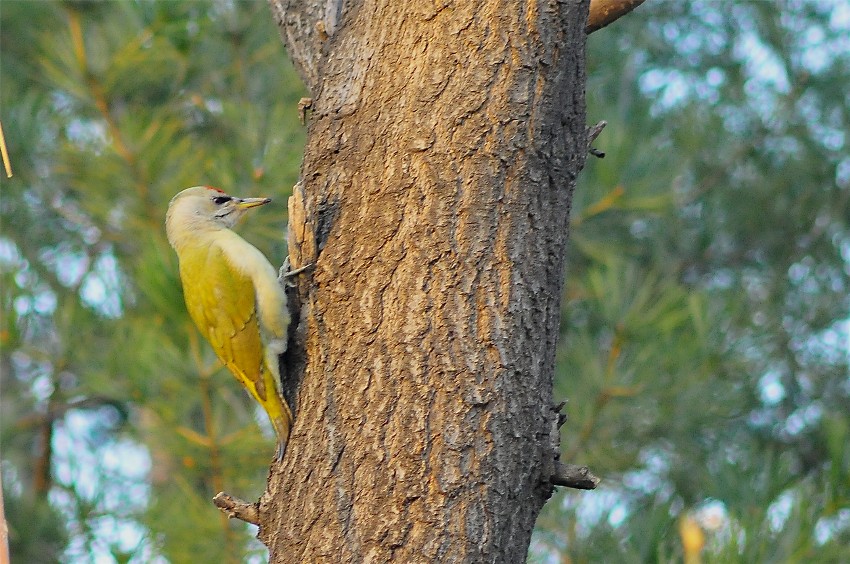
222 303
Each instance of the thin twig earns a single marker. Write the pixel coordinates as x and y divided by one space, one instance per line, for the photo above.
236 508
4 530
304 104
7 164
592 133
574 476
562 417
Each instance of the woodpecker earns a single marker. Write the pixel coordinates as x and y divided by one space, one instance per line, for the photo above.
233 294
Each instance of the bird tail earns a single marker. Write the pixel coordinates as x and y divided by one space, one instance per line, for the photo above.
282 427
265 388
275 406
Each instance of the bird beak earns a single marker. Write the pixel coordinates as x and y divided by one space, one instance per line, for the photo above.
246 203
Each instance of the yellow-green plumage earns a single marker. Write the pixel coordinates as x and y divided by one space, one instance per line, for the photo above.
232 294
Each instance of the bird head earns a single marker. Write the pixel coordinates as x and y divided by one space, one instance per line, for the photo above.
203 208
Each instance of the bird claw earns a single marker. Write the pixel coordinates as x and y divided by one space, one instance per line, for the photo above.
284 270
285 274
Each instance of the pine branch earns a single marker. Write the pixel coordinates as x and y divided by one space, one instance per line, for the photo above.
569 475
574 476
604 12
57 411
236 508
99 97
216 467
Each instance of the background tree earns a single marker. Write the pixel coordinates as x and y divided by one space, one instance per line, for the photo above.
704 347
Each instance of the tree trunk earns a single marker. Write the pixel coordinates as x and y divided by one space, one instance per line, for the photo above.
443 147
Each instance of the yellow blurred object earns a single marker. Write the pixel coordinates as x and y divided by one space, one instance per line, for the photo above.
693 539
6 163
233 294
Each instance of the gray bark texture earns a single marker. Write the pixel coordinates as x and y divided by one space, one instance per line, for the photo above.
444 143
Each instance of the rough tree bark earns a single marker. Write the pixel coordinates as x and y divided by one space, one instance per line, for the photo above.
444 142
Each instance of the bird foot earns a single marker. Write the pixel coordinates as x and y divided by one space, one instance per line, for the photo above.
285 274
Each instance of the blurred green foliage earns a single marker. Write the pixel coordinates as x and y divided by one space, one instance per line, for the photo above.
116 417
705 324
706 319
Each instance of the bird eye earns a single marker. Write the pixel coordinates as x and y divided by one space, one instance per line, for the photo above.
219 200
